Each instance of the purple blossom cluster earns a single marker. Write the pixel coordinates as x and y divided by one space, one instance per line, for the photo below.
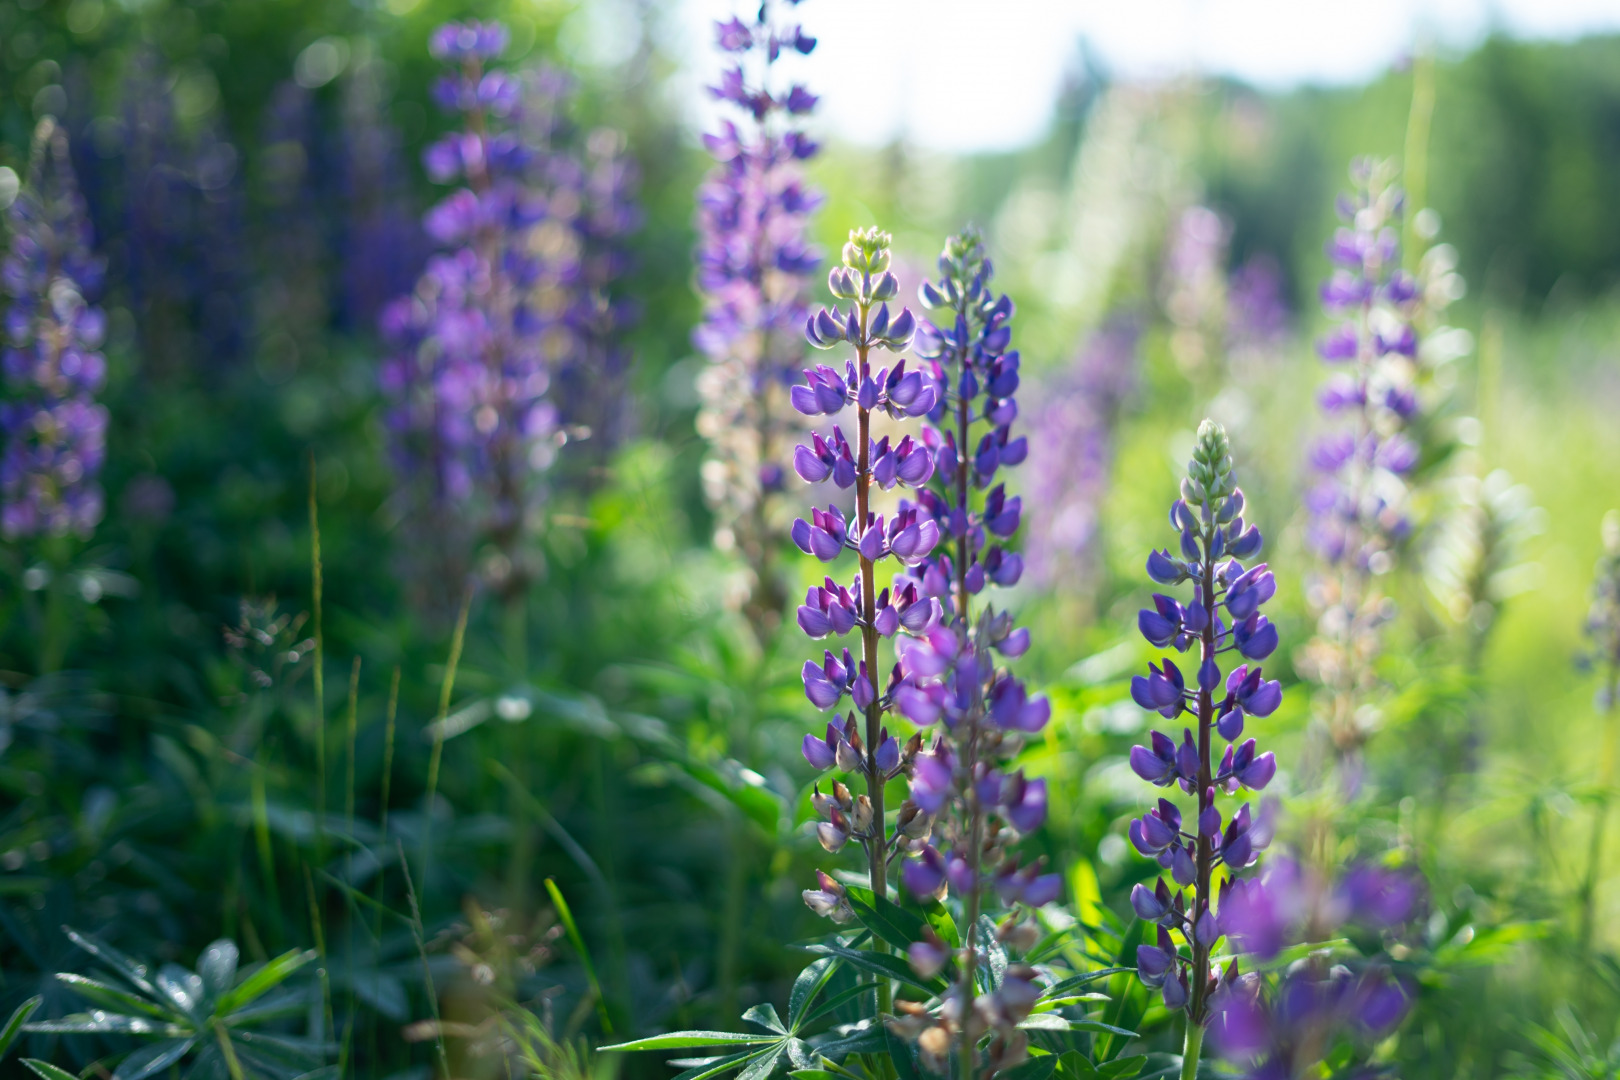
519 295
1357 506
55 431
1382 353
833 609
754 266
968 807
1223 618
1282 1029
1602 626
1072 454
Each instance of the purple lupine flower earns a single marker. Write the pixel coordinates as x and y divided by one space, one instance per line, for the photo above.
754 268
1072 454
1283 1030
1222 617
949 671
1193 287
862 746
55 432
469 374
1381 356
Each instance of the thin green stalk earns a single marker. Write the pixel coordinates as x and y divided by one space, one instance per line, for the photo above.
318 673
421 951
1594 855
354 729
1191 1048
446 688
319 932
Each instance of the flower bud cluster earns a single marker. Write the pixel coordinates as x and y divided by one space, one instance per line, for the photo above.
1223 617
754 270
55 431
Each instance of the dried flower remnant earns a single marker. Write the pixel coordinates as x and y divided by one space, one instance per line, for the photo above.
55 431
754 267
1223 618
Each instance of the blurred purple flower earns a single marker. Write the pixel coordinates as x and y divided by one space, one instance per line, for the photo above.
55 432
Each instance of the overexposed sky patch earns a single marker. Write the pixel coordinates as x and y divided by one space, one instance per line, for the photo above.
964 75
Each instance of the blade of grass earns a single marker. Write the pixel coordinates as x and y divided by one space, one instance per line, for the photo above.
318 674
446 688
348 817
320 950
421 950
574 936
382 826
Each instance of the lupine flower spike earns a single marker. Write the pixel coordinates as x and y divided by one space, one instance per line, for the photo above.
474 344
859 742
968 808
1223 619
55 431
754 267
1603 655
1375 402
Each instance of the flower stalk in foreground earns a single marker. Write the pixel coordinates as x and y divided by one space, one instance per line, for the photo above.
1222 619
861 746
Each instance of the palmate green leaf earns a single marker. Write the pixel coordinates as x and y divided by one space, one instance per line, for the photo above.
1074 1066
807 986
110 997
881 964
994 953
868 1037
763 1065
814 1074
903 1056
680 1040
272 1006
136 974
887 920
273 973
8 1034
153 1058
765 1016
836 1000
46 1071
181 988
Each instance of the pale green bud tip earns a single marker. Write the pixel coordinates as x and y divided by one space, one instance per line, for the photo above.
868 250
1210 469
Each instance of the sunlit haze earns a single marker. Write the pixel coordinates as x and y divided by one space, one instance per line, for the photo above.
965 75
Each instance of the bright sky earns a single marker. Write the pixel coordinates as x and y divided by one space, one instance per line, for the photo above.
983 74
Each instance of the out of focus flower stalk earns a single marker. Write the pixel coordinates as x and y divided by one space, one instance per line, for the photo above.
754 263
1603 655
55 431
1072 455
1377 402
